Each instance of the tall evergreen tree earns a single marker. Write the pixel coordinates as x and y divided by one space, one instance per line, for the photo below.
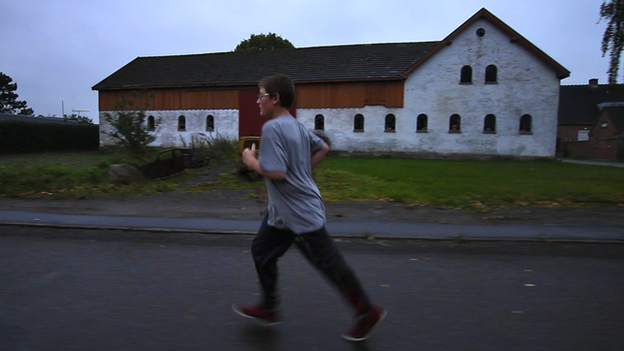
8 97
613 37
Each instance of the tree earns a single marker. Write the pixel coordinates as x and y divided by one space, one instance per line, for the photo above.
129 129
261 41
81 119
613 37
8 98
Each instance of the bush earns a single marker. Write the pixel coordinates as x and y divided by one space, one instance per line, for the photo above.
216 146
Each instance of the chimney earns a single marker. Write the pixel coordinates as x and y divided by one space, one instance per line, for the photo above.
593 83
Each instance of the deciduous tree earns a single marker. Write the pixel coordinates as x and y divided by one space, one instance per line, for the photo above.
613 37
129 128
260 42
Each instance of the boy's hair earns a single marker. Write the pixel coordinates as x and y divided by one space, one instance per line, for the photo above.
282 85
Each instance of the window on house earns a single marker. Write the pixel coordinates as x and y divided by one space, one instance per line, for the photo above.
489 124
390 125
455 124
210 123
604 125
319 122
421 123
491 74
466 75
525 124
358 123
181 123
151 124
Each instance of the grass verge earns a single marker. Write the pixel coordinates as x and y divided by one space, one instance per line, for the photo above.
468 185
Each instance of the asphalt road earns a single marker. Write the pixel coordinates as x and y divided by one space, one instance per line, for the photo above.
173 292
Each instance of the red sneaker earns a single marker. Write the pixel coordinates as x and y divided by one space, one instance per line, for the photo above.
365 325
259 314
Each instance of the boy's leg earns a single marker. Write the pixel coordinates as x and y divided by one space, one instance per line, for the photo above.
267 247
319 248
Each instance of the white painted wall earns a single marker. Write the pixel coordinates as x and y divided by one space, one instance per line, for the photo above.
168 135
525 85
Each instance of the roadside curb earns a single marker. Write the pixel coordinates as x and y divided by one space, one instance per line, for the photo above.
210 232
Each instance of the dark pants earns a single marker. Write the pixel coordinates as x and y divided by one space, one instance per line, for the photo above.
272 243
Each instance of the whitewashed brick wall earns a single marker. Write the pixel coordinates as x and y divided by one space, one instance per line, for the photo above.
525 86
168 135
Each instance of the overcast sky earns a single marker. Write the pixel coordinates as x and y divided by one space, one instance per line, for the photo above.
56 50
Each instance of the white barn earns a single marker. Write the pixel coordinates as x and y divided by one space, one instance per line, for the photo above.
484 90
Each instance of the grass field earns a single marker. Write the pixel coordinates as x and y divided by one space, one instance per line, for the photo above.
472 185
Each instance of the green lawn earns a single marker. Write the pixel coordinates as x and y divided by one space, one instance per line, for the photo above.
470 184
473 185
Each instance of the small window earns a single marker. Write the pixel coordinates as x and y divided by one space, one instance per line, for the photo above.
491 74
210 123
421 123
489 124
151 124
455 124
319 122
466 75
181 123
390 125
480 32
358 123
525 124
604 125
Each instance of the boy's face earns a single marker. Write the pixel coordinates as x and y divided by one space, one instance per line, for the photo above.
266 104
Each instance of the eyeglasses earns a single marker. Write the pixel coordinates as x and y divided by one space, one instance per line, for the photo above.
263 95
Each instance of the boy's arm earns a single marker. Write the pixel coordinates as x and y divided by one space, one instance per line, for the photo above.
319 155
249 158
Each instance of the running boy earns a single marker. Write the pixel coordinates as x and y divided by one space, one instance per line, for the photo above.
296 213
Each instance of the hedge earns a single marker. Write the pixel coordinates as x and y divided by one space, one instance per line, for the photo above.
23 137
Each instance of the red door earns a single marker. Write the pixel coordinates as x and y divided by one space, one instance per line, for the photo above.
249 120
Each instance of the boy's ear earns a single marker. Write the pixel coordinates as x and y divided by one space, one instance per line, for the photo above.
276 98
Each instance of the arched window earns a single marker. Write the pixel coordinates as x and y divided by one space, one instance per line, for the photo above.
489 124
466 74
491 74
358 123
151 124
525 124
181 123
210 123
455 124
319 122
390 125
421 123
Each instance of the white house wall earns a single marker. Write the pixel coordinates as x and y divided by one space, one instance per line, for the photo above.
167 133
525 85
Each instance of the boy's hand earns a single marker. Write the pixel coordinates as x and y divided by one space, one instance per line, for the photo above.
249 154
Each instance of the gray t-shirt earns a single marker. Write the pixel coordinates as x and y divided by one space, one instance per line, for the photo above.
295 203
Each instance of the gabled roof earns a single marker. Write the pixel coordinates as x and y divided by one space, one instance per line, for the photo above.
617 117
323 63
578 104
392 61
514 36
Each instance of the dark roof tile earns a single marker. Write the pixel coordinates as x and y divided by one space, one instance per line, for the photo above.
323 63
578 104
